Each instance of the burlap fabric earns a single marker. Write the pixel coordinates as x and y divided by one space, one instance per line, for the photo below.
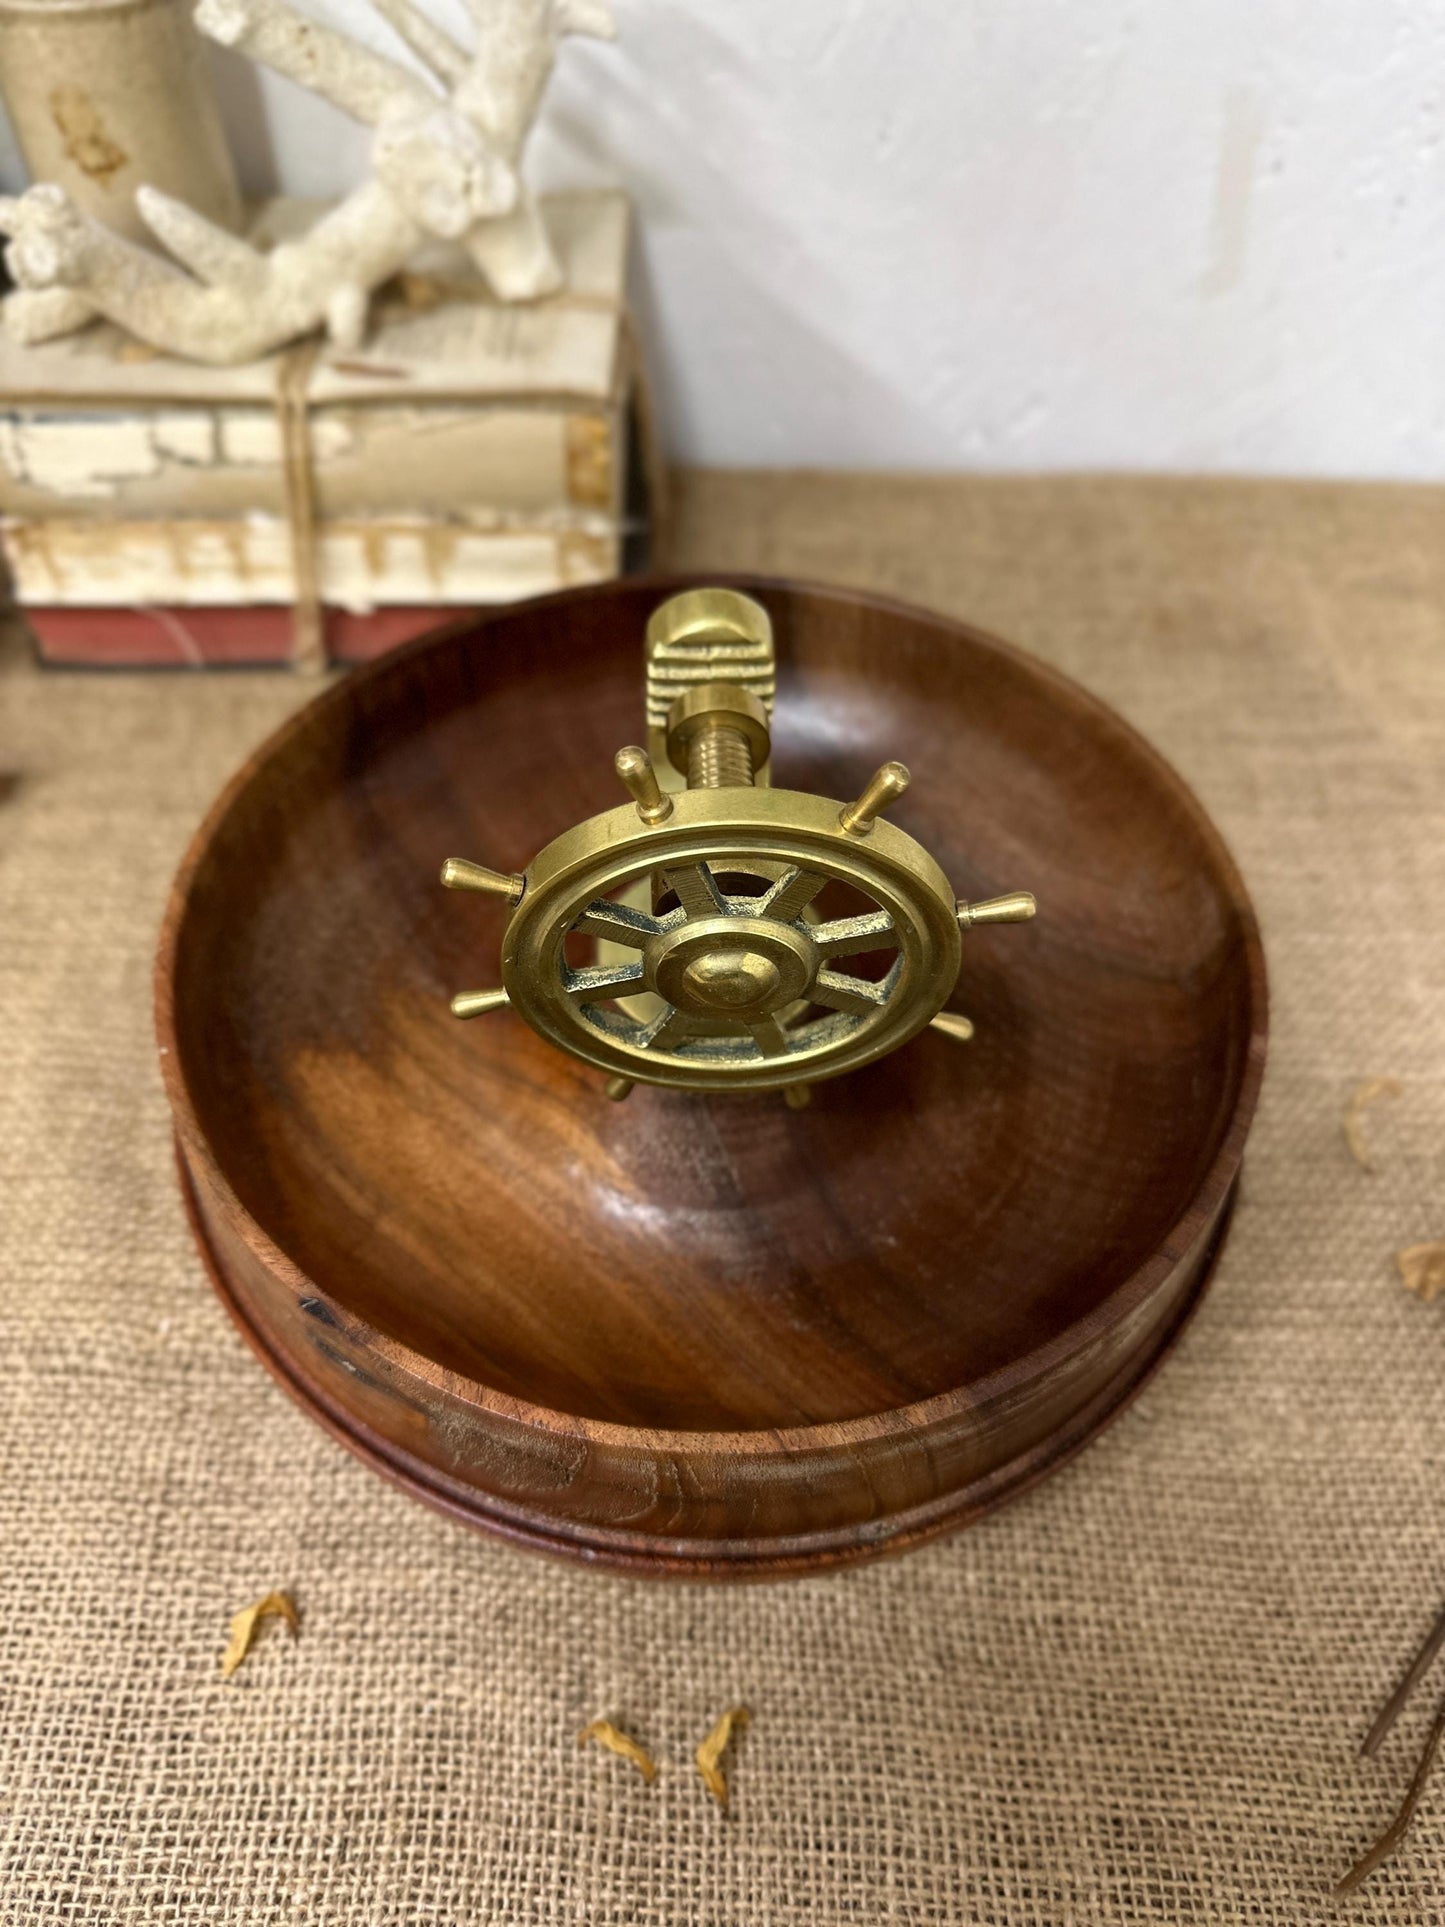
1133 1696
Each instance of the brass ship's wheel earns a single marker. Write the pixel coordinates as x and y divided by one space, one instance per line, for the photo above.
753 993
711 905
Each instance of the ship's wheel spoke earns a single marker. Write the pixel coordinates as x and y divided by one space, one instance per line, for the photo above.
790 895
696 890
594 986
674 1027
617 923
769 1036
849 935
714 1041
837 991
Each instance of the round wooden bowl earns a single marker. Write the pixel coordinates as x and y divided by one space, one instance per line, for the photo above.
706 1335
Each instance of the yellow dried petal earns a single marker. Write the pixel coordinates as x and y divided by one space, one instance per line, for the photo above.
606 1734
276 1605
1423 1269
1361 1098
711 1751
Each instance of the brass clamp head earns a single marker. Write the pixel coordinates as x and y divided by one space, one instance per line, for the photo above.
744 937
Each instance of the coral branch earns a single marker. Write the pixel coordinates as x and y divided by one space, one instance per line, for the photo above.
442 167
515 254
365 85
431 46
590 17
213 254
40 314
48 239
516 50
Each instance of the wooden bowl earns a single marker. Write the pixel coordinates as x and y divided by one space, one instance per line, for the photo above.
686 1334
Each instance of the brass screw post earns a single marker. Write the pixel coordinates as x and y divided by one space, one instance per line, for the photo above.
885 786
717 730
719 759
718 735
707 635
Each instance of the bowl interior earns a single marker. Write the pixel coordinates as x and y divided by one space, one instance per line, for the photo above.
703 1263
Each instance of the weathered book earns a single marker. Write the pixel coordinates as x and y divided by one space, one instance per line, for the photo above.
153 510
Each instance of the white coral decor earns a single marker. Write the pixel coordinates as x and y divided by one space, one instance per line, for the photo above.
445 159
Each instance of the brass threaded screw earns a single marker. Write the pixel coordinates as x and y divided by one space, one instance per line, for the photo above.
719 758
717 734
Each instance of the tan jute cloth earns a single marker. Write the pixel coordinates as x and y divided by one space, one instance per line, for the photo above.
1134 1696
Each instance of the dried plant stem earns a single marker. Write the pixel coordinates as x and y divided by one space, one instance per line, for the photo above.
1418 1667
1390 1839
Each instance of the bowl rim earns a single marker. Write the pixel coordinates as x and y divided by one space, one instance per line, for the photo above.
1192 1226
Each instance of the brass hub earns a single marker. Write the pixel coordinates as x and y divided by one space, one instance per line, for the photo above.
731 979
730 966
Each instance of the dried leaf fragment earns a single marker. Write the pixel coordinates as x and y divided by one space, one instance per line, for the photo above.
606 1734
1361 1098
1423 1269
1390 1839
276 1605
711 1751
421 291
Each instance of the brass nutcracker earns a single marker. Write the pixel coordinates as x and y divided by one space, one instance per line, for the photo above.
715 969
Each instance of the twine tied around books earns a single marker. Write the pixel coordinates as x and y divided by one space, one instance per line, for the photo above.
308 620
294 369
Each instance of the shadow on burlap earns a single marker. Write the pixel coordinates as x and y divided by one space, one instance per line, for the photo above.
1134 1696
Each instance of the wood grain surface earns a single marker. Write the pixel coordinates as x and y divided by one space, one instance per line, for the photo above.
693 1334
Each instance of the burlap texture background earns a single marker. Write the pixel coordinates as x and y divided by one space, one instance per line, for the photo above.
1135 1696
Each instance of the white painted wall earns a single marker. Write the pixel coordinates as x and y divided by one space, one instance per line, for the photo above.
1005 234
